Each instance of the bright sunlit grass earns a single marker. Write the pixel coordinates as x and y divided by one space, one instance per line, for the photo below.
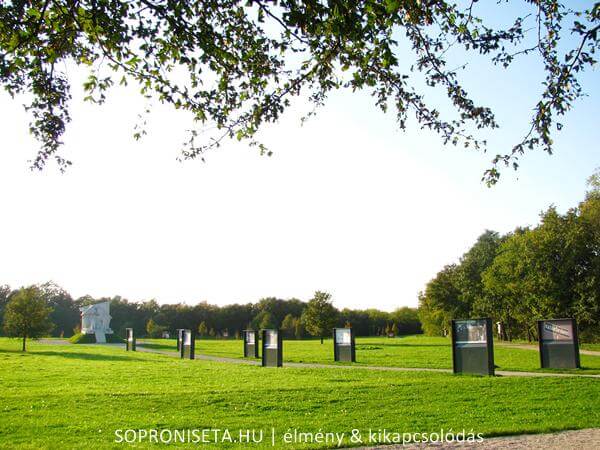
409 351
76 396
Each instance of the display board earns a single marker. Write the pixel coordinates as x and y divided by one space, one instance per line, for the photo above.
250 344
343 345
559 344
472 346
272 348
129 340
179 338
188 345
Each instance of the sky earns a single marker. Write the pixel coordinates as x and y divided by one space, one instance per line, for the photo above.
348 203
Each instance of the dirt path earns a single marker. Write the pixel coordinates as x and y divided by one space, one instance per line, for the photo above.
504 373
536 348
588 439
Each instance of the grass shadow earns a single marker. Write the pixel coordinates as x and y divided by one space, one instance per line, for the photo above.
408 345
157 346
75 355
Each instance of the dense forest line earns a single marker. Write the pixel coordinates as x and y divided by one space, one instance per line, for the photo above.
149 318
548 271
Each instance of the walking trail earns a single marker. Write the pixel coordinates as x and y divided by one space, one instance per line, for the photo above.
536 348
587 439
505 373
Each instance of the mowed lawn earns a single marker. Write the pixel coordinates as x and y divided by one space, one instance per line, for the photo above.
408 351
76 396
593 347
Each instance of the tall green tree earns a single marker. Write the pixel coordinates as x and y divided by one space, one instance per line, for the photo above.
431 316
27 315
378 321
536 272
471 267
298 328
5 294
407 320
508 284
202 329
154 330
443 294
279 308
266 320
320 315
65 313
360 319
288 325
586 306
238 65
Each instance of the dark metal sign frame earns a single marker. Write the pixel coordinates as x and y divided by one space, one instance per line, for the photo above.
473 352
558 352
345 352
272 356
129 340
251 348
188 345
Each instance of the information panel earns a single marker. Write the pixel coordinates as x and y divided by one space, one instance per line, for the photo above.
343 345
179 338
559 344
272 351
129 340
250 344
188 345
472 346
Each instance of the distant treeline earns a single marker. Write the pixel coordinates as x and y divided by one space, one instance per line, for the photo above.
149 318
550 271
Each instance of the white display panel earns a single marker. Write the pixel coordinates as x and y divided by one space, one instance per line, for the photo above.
471 332
557 330
271 339
250 337
343 336
187 338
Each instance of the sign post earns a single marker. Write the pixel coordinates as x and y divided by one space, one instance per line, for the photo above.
559 344
188 345
343 345
179 338
272 348
473 346
250 344
129 340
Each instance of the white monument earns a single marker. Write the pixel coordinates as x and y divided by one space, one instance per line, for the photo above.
95 319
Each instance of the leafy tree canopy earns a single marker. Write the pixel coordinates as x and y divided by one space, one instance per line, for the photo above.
202 329
288 325
320 315
235 65
27 315
550 270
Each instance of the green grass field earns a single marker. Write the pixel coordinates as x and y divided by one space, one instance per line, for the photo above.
593 347
408 351
582 345
77 396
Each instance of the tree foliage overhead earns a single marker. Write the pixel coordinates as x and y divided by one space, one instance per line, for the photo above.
235 65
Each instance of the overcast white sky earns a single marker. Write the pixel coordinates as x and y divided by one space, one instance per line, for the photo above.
347 204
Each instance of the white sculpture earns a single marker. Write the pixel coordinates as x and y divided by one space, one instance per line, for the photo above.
95 319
